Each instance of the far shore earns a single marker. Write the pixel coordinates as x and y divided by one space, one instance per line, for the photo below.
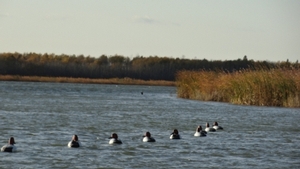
120 81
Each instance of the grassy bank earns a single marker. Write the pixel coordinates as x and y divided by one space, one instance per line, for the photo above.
125 81
262 88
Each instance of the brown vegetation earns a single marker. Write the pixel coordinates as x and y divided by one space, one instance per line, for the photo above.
276 87
124 81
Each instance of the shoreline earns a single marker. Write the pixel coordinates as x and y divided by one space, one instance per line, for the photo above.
120 81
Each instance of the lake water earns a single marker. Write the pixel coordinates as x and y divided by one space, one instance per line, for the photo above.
43 117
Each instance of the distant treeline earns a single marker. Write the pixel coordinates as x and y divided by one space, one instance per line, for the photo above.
117 66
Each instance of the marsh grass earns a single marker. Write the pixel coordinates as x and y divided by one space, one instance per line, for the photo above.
124 81
275 87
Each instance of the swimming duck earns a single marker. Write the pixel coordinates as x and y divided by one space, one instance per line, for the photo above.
199 132
10 147
74 143
147 137
216 126
209 129
175 134
114 139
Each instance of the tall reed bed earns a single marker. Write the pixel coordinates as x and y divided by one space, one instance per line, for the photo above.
248 87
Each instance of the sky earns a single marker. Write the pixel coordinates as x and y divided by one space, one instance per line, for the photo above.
263 30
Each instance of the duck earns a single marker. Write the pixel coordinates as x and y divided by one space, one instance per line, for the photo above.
10 147
175 135
209 129
216 126
114 139
147 137
74 143
199 132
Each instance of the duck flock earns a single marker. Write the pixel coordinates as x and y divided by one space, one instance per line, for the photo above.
75 143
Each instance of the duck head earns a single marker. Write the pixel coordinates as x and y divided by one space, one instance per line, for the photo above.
207 124
75 137
175 131
114 135
199 128
147 134
11 141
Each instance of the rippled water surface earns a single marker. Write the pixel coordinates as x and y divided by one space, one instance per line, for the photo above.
43 117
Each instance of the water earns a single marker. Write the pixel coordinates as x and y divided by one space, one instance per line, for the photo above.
43 117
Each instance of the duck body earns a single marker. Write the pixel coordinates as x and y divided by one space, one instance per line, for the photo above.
115 141
9 148
218 127
175 136
210 129
74 144
148 139
200 134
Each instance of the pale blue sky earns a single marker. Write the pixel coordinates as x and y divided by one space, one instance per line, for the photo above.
215 30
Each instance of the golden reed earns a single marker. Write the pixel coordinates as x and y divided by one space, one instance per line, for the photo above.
120 81
275 87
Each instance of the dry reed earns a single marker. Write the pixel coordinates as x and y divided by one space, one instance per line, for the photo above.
124 81
248 87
